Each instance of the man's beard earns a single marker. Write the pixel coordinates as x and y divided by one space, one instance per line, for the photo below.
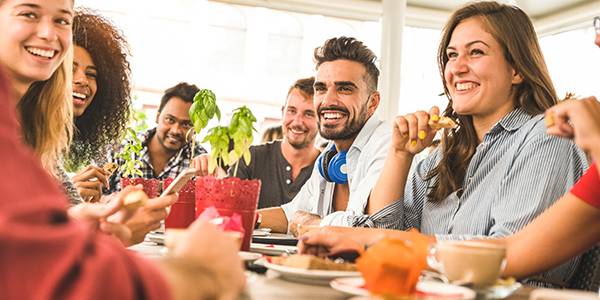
302 144
162 139
349 131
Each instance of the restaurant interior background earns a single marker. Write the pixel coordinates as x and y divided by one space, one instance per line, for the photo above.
250 51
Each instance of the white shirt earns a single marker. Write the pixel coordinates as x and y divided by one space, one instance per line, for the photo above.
364 162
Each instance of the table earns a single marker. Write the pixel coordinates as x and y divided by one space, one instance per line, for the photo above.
270 286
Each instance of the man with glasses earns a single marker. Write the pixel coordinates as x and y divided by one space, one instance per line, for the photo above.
166 152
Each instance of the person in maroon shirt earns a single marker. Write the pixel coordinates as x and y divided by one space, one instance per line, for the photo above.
45 252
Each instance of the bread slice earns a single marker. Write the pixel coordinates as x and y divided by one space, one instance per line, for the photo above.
443 122
310 262
110 168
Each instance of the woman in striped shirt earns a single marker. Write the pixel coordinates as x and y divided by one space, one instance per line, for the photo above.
486 178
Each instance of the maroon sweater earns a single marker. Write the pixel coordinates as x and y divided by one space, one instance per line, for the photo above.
43 253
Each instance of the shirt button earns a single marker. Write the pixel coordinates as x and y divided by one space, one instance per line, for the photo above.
288 181
287 168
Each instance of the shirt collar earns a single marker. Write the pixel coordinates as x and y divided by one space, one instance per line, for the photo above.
366 132
512 121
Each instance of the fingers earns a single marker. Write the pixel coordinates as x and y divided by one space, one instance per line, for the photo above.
422 125
434 112
89 211
161 202
118 230
91 191
201 164
90 173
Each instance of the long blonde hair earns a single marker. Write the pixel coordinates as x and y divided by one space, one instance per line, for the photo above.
46 112
513 30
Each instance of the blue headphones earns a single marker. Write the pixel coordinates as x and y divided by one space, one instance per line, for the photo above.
332 165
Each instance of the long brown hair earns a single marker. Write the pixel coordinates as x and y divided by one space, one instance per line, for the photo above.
46 112
513 30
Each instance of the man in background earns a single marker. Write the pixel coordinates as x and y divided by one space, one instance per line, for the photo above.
283 166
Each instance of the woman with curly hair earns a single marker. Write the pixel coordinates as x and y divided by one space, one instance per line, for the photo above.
101 98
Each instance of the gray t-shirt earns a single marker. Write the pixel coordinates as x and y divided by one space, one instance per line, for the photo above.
275 173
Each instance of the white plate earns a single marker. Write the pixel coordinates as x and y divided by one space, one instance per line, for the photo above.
270 249
156 237
249 256
355 286
261 232
320 277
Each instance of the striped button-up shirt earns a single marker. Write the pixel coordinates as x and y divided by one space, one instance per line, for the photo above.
178 162
515 174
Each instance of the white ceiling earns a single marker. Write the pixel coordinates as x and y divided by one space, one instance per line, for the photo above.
549 16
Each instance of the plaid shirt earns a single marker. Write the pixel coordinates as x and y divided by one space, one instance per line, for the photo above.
175 165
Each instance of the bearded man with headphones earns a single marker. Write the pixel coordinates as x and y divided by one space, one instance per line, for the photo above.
345 99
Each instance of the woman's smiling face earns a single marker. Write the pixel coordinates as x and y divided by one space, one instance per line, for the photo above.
477 75
36 35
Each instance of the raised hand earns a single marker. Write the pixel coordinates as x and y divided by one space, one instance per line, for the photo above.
412 132
579 120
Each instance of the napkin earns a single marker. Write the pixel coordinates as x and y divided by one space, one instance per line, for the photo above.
225 223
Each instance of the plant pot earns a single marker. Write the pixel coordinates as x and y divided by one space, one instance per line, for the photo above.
151 186
228 196
183 211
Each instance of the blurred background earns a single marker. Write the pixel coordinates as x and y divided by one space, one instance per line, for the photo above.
250 51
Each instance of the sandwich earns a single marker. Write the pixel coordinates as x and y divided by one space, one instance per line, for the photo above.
442 122
110 168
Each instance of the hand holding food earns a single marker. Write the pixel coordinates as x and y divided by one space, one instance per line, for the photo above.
148 216
577 119
108 217
415 132
89 182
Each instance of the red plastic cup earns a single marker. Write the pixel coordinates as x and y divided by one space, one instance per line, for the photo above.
183 211
151 186
228 196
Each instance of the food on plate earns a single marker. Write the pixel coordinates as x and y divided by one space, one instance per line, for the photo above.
392 266
135 199
442 122
310 262
110 168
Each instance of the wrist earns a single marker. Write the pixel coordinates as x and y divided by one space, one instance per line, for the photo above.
400 154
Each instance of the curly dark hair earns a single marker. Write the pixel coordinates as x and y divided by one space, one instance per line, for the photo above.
105 120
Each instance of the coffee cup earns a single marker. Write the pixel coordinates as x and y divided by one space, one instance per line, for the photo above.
475 263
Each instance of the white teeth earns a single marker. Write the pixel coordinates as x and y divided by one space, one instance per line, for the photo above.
79 95
296 131
463 86
41 52
332 115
